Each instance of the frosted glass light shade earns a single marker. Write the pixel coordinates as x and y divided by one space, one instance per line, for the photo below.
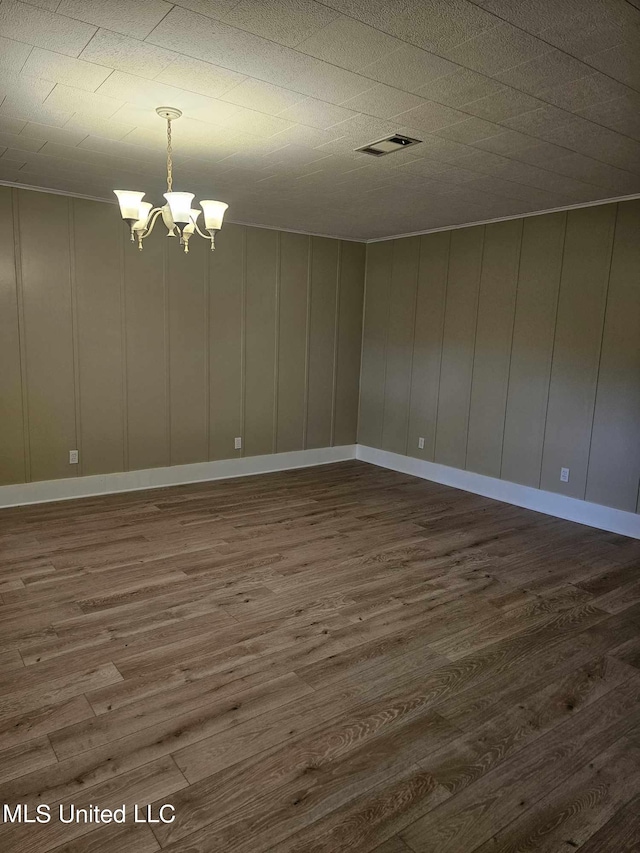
213 214
129 203
190 228
143 213
180 205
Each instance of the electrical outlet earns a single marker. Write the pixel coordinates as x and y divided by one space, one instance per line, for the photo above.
73 457
421 444
564 475
238 443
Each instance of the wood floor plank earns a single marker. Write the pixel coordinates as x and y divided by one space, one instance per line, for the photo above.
340 658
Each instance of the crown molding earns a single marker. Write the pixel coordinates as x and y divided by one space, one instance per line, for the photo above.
578 206
232 221
475 222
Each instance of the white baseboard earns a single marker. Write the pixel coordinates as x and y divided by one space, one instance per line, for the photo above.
560 506
45 491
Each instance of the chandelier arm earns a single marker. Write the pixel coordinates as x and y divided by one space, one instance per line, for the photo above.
151 221
201 233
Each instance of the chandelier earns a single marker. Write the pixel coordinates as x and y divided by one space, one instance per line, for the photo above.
177 214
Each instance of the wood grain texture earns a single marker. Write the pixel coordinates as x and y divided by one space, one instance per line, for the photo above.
326 660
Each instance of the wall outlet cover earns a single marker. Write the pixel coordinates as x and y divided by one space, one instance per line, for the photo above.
73 457
564 475
238 443
421 444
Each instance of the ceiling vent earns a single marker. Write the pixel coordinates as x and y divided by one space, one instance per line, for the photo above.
388 145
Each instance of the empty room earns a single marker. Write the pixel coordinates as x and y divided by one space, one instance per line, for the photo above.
319 426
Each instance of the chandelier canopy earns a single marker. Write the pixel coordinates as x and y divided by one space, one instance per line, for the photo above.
178 215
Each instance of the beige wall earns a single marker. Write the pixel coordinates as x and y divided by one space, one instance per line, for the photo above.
513 349
158 358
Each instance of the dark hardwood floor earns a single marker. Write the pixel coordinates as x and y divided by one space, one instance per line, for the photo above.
333 659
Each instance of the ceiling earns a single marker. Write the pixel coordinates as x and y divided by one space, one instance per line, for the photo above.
522 105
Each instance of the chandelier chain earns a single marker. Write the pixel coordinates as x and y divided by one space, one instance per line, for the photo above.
169 160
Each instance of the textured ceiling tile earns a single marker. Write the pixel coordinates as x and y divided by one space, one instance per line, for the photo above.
258 124
349 43
503 105
409 68
285 21
621 62
42 28
363 129
538 122
264 97
507 142
317 113
300 134
599 143
621 115
551 69
135 19
204 38
329 83
149 94
17 107
11 125
31 89
211 8
51 5
601 174
65 69
581 36
497 50
115 50
47 133
588 90
439 24
70 99
19 142
13 54
511 189
429 116
198 76
459 88
384 101
111 128
533 15
469 130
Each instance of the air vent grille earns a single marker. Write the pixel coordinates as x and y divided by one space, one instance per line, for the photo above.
387 146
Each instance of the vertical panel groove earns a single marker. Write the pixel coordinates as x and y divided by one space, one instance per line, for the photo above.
207 350
336 332
444 313
364 320
475 342
604 323
553 345
124 357
74 330
24 379
243 341
413 344
307 348
276 344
